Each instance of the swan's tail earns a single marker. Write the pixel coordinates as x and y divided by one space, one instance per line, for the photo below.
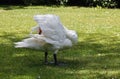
72 35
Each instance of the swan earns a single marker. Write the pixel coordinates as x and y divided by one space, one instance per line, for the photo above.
49 35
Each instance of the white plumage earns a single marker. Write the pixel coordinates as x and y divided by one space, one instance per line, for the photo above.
53 36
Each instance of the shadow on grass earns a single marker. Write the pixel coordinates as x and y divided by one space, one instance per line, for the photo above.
97 52
10 7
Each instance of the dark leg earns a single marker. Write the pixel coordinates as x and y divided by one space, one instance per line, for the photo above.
46 54
55 59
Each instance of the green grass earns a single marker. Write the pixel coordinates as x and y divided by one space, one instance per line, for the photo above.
96 56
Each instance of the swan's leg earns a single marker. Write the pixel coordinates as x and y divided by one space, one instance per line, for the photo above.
46 60
55 57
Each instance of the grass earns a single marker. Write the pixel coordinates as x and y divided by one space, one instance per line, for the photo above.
96 56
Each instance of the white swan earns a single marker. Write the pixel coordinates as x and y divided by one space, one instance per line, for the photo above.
51 35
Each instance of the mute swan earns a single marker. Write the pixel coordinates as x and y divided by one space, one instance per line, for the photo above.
51 36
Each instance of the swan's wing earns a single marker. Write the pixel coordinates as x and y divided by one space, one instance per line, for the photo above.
31 43
51 26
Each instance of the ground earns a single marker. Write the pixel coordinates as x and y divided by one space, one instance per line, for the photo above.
96 56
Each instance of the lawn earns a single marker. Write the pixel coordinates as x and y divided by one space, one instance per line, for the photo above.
96 56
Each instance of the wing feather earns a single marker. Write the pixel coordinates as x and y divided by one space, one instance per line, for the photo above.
51 26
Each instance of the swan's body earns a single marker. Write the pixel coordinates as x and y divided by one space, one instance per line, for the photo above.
51 35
